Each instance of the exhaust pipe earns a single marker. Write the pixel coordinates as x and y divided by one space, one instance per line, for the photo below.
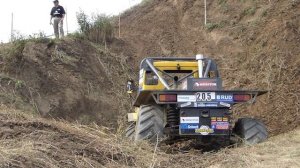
200 58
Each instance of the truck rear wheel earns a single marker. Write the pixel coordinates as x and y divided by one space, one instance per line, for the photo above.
252 131
150 123
130 131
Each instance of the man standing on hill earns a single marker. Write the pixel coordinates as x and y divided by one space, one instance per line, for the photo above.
58 15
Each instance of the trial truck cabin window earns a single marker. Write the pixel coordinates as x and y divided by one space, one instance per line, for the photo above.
151 78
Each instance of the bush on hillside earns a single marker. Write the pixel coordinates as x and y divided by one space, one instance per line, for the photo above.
97 28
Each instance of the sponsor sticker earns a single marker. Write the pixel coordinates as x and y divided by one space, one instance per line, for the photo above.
225 119
211 105
205 84
205 105
199 104
220 125
189 126
186 104
186 98
225 98
189 120
225 104
204 130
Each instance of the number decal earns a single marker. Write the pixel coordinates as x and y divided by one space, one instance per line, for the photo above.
205 96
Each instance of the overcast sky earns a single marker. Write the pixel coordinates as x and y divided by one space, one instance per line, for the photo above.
33 16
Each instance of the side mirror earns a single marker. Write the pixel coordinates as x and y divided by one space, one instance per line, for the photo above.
130 86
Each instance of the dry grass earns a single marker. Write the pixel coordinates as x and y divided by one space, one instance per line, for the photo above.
280 151
27 141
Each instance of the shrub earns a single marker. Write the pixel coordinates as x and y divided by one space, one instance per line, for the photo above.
83 22
249 11
211 26
97 28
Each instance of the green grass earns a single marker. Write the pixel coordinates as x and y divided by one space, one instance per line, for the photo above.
264 13
250 11
211 26
223 6
145 2
76 35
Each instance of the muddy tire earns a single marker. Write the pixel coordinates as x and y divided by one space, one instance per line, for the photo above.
150 124
252 131
130 131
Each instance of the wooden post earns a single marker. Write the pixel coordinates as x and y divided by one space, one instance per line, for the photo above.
67 21
119 25
12 27
205 13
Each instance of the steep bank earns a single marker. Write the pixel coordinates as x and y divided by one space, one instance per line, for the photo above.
72 79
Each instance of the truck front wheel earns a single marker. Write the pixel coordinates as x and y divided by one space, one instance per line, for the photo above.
252 131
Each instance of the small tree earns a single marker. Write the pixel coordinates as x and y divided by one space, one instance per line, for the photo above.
103 28
83 22
98 29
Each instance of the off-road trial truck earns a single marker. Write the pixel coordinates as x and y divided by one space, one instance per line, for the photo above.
184 98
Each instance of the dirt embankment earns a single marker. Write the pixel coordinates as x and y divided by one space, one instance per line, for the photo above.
71 79
255 43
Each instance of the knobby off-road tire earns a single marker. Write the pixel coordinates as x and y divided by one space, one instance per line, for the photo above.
252 131
130 131
150 124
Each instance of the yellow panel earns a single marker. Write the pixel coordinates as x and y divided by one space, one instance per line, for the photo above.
175 63
154 87
172 65
169 65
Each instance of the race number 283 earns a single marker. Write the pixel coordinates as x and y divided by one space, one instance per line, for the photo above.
205 96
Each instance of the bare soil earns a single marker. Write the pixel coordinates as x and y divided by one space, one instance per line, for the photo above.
70 79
